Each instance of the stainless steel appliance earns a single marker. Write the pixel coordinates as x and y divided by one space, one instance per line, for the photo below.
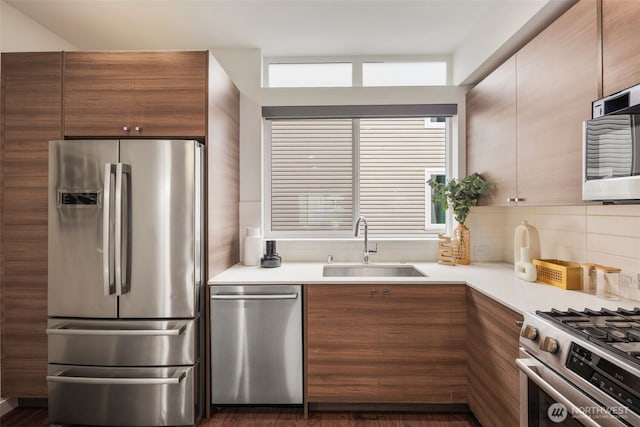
256 344
582 368
611 148
125 282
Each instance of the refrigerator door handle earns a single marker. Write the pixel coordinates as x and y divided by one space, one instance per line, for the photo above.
107 272
178 329
121 229
59 377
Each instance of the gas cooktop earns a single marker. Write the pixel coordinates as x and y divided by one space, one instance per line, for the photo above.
617 331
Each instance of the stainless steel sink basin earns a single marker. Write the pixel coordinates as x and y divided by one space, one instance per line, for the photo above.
402 270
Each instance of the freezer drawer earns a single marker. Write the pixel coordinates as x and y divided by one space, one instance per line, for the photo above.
122 342
123 396
256 344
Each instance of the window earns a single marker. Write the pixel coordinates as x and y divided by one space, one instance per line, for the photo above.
309 75
281 72
404 73
436 218
324 173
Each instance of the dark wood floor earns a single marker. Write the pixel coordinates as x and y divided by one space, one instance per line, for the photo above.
266 417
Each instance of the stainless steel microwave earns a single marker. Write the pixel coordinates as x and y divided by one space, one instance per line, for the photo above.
611 148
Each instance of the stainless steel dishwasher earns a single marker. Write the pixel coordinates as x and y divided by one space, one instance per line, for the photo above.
256 344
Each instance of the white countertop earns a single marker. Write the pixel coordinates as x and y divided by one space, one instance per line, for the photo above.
495 280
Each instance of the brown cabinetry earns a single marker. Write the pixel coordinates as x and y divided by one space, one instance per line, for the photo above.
620 45
135 94
556 83
491 133
524 121
385 343
31 116
492 347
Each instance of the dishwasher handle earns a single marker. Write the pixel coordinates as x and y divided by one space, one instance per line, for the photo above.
254 296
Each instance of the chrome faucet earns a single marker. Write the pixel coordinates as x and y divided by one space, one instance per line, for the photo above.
366 252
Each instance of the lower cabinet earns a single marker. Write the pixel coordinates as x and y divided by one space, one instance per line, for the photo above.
492 349
386 343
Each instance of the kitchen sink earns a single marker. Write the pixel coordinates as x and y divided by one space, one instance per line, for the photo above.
403 270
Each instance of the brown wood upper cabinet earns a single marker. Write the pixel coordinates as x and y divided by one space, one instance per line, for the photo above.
524 121
491 133
135 94
385 343
620 45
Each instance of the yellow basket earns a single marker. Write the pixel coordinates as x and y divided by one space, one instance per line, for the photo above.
563 274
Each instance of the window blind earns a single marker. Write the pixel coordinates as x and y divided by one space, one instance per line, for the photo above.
394 154
314 187
311 175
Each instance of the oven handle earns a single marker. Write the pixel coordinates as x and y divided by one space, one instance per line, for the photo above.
527 367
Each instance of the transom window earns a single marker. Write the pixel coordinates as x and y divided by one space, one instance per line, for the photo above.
321 174
356 72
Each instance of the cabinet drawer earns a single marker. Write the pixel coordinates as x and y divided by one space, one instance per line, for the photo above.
122 342
123 396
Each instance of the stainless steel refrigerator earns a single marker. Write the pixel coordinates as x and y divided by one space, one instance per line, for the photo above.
125 282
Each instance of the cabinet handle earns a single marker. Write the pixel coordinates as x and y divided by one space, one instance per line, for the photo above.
138 129
385 292
372 291
125 128
519 199
512 199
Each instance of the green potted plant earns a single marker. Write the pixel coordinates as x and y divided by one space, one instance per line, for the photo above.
460 195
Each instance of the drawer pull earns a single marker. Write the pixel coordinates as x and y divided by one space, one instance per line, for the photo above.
65 330
59 377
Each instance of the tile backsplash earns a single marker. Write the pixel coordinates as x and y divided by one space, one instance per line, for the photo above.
602 234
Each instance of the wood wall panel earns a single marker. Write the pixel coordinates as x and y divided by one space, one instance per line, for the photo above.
620 45
492 349
223 173
31 116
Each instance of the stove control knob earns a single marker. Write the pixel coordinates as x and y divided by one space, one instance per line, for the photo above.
529 332
549 345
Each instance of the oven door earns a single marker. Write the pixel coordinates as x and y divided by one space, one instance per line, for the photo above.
546 399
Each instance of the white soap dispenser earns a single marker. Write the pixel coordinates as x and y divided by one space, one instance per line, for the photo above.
526 246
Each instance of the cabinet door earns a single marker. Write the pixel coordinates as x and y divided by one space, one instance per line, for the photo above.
491 133
492 349
98 93
170 94
556 83
422 344
620 45
341 347
31 116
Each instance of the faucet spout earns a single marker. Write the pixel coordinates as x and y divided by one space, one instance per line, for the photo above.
366 251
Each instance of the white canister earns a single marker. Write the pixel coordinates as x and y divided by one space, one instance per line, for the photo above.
252 247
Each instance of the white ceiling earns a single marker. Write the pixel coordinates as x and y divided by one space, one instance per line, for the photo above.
283 28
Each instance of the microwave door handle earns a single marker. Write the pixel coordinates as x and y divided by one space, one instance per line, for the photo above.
109 286
527 367
122 232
